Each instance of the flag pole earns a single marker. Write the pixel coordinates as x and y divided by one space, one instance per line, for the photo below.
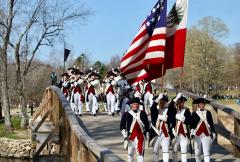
181 77
63 66
162 79
63 56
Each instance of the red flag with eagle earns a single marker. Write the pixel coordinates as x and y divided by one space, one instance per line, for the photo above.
176 35
175 40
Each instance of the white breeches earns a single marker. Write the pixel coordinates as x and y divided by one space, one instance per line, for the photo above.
77 103
163 142
132 147
148 101
93 104
204 143
86 102
110 103
72 104
183 143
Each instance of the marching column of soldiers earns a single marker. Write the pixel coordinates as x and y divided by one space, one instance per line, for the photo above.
145 116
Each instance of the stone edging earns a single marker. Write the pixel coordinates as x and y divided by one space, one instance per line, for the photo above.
16 148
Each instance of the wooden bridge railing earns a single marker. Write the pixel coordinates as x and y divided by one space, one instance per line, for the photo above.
233 137
74 142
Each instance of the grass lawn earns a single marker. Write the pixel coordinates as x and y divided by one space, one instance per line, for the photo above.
17 132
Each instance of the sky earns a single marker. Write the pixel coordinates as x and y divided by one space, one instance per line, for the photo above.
113 24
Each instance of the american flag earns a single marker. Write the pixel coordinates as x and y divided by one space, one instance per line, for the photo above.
148 46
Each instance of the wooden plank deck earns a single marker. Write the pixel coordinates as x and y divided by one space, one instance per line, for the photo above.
105 130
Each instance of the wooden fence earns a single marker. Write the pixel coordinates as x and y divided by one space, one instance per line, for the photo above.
74 142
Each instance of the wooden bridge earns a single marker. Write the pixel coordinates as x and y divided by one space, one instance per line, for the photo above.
58 132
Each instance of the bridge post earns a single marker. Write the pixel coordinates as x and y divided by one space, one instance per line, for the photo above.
215 119
50 104
56 112
237 133
83 152
65 137
74 147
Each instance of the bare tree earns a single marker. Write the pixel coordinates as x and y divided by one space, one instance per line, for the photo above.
204 56
114 62
6 26
38 23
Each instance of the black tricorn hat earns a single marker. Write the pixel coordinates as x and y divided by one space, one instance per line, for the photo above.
111 73
182 98
135 100
78 72
94 74
165 98
116 70
65 74
71 68
200 100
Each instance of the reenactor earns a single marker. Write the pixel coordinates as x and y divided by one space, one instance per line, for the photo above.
134 127
181 127
161 127
203 130
110 92
77 97
92 90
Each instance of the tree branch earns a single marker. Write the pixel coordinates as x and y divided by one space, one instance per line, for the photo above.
4 25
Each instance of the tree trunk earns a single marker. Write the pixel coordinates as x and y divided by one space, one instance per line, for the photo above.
4 88
0 111
24 120
3 64
20 88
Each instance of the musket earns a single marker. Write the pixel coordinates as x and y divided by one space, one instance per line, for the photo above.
190 146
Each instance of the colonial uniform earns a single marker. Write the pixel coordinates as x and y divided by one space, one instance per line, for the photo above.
161 129
181 129
110 96
91 94
71 99
147 96
134 125
203 131
77 96
138 90
66 89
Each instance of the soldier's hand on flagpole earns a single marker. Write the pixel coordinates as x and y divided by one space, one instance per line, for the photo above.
160 96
